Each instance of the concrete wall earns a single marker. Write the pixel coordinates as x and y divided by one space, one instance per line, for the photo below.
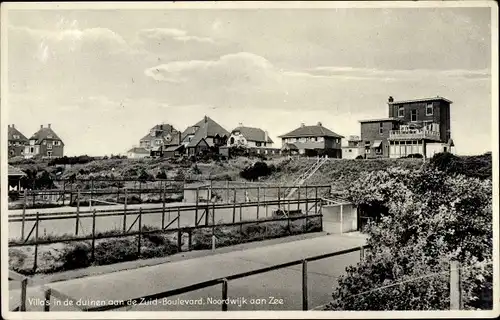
340 218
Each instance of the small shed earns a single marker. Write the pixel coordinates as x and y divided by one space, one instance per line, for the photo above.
15 176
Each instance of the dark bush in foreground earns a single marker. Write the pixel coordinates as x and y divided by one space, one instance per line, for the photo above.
258 169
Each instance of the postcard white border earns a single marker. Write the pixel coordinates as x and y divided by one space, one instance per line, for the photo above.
247 5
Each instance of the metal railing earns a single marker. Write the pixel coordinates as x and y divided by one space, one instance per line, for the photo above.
414 134
224 281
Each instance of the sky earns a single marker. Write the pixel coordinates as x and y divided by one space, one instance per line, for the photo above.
103 78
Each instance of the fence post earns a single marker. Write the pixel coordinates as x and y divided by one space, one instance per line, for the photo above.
305 306
316 197
163 212
341 218
125 212
140 191
91 192
33 190
361 253
258 201
196 209
140 233
77 223
265 189
64 191
227 191
455 286
307 202
224 295
36 243
24 285
24 215
234 206
279 197
93 236
46 306
298 198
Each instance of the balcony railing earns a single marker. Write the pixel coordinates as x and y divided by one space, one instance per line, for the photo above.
413 134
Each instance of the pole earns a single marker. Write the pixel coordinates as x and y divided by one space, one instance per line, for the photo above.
305 306
36 243
46 306
224 295
64 192
125 212
227 191
258 202
361 253
24 285
307 202
316 198
265 191
298 198
341 218
163 212
93 236
77 212
24 215
196 210
140 233
455 286
234 205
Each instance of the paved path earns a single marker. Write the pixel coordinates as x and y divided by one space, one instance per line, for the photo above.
284 284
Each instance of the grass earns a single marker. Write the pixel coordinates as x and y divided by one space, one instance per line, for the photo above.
78 254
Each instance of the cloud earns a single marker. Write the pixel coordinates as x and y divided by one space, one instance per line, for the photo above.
232 70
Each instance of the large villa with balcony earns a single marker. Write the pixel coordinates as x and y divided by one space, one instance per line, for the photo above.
420 126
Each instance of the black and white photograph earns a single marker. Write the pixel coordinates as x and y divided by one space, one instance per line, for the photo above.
249 159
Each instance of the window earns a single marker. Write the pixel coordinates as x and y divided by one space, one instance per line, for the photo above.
10 143
49 153
49 146
414 115
32 150
429 110
258 144
44 142
381 128
56 143
401 112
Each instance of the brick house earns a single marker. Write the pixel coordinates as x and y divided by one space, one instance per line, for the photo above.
44 143
17 142
204 135
160 138
420 126
312 141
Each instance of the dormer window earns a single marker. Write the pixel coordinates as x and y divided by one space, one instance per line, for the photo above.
49 136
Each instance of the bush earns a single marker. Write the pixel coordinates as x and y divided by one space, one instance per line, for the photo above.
359 157
415 156
258 169
116 250
75 256
431 218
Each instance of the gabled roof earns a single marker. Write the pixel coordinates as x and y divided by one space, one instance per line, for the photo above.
43 134
15 172
206 128
253 134
311 131
194 143
438 98
138 150
162 131
14 132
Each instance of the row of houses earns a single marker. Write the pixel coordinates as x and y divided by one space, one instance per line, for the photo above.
43 143
420 126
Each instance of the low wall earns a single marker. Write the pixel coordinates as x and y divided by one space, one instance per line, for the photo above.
340 218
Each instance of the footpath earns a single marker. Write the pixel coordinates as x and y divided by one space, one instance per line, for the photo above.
136 282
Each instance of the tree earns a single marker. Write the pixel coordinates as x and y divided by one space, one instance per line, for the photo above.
431 218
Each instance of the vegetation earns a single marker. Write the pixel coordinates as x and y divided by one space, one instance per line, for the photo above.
423 219
257 170
75 255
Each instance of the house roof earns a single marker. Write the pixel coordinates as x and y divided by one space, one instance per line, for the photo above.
253 134
437 98
163 131
138 150
290 146
15 172
14 132
205 128
381 120
43 134
174 148
311 131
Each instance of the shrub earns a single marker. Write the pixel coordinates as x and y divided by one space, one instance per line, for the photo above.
75 256
258 169
415 156
431 218
116 250
359 157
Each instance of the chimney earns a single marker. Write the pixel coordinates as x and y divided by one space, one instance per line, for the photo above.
240 124
320 124
41 126
266 135
49 125
206 119
13 126
391 99
302 124
8 126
